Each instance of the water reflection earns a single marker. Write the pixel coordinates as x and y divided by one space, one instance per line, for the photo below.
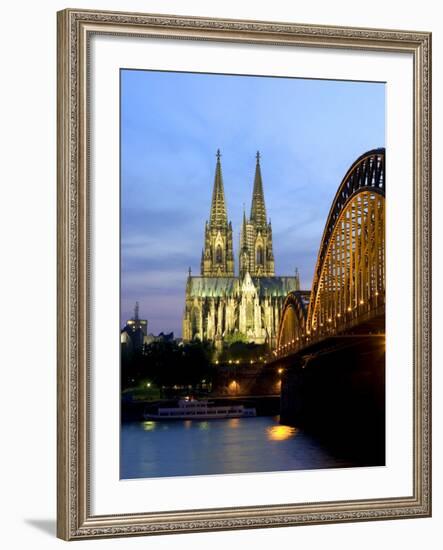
280 433
234 445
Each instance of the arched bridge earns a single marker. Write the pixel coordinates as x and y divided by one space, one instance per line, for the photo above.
348 289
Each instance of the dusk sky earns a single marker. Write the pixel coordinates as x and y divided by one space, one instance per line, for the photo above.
308 133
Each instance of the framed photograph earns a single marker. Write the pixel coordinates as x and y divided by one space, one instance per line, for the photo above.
243 274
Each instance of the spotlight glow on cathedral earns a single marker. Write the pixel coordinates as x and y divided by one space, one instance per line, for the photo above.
220 304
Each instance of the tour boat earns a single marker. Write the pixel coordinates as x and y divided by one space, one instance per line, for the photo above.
194 409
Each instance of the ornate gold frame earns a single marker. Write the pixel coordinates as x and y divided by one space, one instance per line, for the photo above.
74 30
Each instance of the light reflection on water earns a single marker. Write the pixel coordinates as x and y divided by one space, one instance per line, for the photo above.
280 433
234 422
235 445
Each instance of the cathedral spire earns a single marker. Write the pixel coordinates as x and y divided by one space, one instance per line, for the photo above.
218 216
258 209
243 228
217 258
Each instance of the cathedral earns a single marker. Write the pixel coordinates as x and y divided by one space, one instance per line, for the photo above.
247 306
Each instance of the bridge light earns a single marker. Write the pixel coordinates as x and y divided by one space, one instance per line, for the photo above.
338 315
329 320
362 301
308 332
298 338
230 361
349 308
376 293
280 371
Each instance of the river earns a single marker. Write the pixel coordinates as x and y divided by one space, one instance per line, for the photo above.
224 446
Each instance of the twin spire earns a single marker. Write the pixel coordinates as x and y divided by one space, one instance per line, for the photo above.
218 215
256 256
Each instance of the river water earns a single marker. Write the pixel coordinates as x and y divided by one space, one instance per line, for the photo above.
223 446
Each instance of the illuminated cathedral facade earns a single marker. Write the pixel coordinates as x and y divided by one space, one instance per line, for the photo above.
221 304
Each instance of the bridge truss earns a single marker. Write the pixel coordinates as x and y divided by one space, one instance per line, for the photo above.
349 279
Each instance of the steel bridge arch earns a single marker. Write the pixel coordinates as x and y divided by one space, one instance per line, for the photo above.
292 326
349 275
348 285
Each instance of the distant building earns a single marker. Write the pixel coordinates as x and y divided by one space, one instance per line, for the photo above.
134 333
219 304
162 337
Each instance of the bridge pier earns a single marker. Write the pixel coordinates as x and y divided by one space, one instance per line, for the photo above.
338 392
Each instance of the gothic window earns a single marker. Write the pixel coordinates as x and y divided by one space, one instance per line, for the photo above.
249 315
195 321
218 255
260 258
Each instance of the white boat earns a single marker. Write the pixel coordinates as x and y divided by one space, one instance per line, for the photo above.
194 409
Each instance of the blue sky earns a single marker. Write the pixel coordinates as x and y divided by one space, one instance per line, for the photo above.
308 133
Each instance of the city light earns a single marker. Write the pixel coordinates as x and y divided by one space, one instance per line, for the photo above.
148 385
